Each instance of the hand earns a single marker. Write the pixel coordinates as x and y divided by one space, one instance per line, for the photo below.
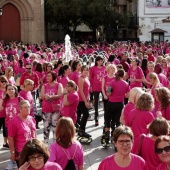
12 157
25 166
132 80
46 96
87 104
105 97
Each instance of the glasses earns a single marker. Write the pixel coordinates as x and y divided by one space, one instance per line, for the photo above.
160 150
33 158
28 68
3 81
49 66
121 142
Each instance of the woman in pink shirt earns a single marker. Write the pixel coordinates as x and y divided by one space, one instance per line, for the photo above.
134 94
162 95
76 71
51 93
65 146
144 106
21 129
158 127
34 156
9 75
11 102
97 72
70 101
106 81
162 149
154 80
63 75
27 87
123 159
135 74
3 83
84 105
115 103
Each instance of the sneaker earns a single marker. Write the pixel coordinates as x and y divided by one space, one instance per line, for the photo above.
82 133
90 118
11 165
5 146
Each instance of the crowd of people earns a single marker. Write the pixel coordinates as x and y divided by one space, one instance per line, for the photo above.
133 80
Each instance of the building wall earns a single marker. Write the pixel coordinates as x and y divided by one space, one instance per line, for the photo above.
151 16
31 18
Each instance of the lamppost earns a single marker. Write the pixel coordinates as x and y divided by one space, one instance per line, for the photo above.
1 11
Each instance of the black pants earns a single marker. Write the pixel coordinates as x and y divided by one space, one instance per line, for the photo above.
113 113
82 109
96 102
2 125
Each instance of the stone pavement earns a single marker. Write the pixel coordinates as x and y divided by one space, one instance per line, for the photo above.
93 153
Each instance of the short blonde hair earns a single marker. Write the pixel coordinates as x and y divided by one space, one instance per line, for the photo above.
134 94
109 66
23 102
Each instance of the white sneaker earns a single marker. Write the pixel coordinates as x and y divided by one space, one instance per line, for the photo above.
11 165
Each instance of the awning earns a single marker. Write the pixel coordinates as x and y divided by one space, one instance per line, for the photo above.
158 30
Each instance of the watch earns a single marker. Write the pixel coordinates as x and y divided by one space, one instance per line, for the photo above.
13 152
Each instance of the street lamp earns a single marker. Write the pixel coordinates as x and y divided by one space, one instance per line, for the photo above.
1 11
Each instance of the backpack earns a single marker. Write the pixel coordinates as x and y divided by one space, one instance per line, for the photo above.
70 164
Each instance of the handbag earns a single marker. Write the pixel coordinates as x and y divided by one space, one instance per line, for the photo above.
38 116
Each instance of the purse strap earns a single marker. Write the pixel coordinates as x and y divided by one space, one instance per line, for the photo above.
140 143
67 155
134 118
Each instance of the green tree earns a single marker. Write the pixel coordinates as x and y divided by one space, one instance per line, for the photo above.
66 13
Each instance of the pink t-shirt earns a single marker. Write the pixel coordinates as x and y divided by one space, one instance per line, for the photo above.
147 152
96 76
57 154
50 90
138 121
70 110
75 77
22 131
107 82
126 110
63 80
119 89
166 113
138 74
163 80
47 166
162 166
28 96
11 108
136 163
86 89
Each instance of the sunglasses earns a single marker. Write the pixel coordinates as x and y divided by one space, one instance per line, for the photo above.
33 158
28 68
160 150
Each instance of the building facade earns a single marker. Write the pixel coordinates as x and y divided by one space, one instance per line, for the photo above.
154 20
22 20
